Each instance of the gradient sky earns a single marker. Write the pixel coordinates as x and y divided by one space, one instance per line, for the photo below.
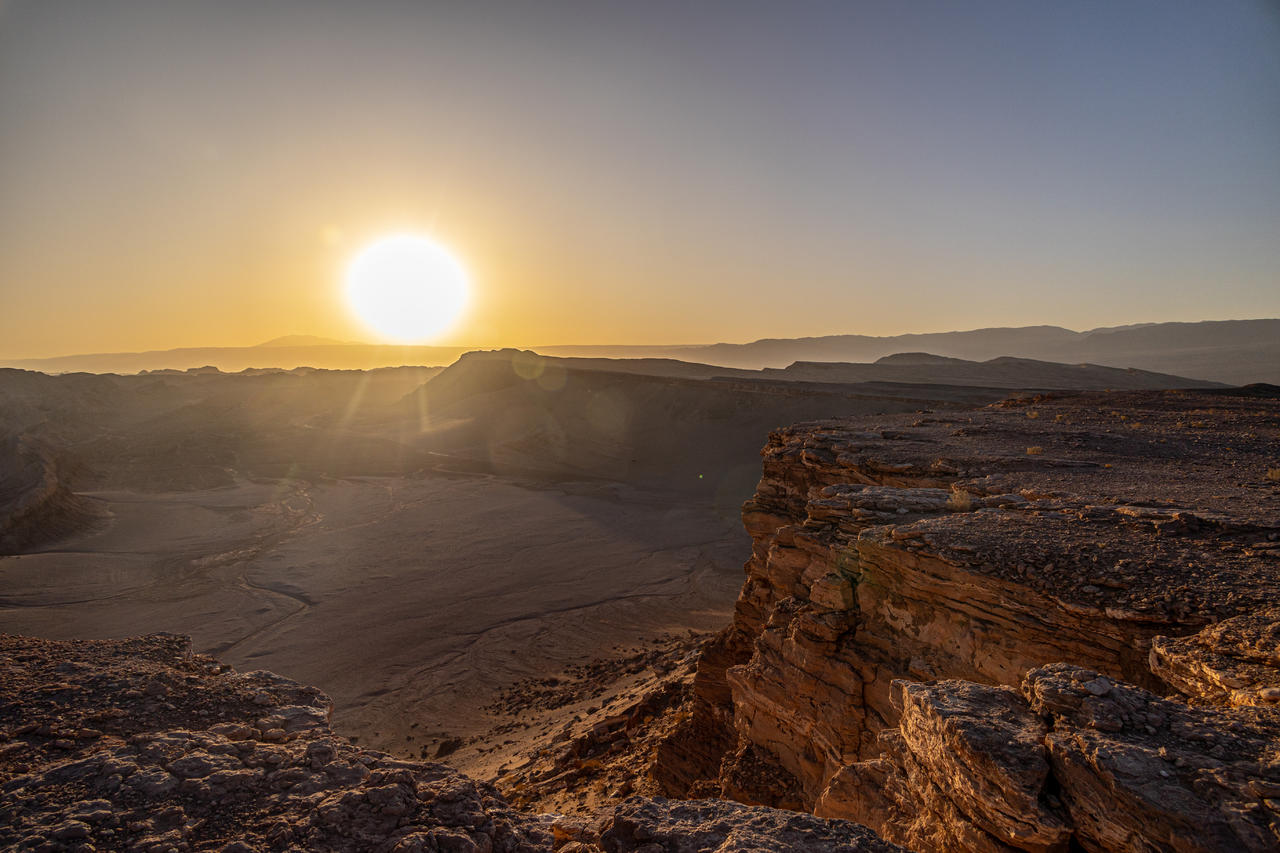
197 173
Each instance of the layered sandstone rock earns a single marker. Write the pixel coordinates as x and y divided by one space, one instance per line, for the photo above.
716 826
140 745
966 769
1136 771
1077 757
978 547
1235 662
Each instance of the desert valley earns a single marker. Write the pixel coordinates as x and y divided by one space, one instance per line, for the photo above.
650 427
527 566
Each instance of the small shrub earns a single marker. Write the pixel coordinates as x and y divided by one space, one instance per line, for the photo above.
960 500
1033 414
1273 474
1035 451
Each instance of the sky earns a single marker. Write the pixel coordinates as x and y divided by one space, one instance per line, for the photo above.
177 173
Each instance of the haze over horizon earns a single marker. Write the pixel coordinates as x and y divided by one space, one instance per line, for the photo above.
184 175
307 340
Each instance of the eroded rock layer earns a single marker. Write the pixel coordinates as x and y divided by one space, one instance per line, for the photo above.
140 745
36 504
1234 662
967 550
1073 756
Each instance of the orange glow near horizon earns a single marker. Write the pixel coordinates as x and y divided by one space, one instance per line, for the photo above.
199 175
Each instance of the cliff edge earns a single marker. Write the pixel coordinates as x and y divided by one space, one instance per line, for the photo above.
1040 625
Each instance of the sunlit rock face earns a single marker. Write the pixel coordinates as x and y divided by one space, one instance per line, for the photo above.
1233 662
987 748
969 550
1073 756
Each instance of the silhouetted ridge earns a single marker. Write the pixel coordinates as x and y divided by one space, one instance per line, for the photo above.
916 358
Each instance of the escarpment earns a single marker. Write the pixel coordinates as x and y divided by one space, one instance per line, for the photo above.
36 504
1131 536
1048 625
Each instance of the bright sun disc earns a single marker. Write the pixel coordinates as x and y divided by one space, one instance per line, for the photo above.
406 288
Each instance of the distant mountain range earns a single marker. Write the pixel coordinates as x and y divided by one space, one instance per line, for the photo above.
288 352
1231 351
1003 372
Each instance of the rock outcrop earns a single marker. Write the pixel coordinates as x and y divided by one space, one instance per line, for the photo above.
141 745
1076 757
642 825
965 551
1235 662
36 504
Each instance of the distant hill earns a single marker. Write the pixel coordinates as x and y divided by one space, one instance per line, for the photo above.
281 353
1236 352
517 413
911 368
672 424
1003 372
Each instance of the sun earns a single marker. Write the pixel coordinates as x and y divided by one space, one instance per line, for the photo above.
407 288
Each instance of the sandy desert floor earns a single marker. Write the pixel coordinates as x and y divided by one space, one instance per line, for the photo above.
413 602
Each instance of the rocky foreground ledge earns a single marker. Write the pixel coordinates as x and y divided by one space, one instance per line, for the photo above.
141 745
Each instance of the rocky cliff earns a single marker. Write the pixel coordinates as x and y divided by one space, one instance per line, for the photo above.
957 629
1047 625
